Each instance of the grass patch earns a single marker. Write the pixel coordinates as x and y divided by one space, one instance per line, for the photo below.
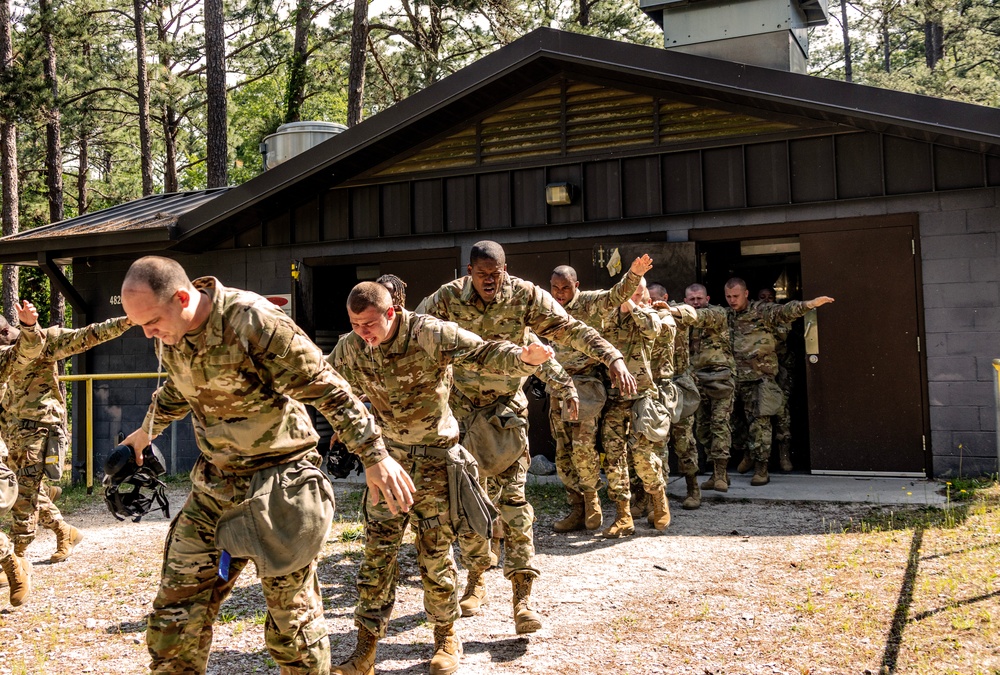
547 498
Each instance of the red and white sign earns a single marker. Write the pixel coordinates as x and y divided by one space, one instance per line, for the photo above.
283 300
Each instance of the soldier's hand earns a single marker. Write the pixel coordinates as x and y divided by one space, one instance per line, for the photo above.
572 406
139 440
389 480
621 378
641 265
333 440
660 304
535 354
819 302
26 313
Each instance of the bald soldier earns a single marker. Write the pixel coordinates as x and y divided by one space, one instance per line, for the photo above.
402 362
577 461
752 325
498 306
243 370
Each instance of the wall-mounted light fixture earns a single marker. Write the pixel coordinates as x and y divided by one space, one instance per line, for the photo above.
558 194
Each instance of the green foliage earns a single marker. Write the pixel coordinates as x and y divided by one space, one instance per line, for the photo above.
890 47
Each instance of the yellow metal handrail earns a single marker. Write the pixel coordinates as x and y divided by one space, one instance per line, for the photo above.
89 379
996 406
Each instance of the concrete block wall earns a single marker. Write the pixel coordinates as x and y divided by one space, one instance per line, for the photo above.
960 262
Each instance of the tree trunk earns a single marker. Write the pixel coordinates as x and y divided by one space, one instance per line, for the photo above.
53 159
584 17
933 42
142 83
215 58
848 73
82 195
9 215
169 114
295 92
886 52
359 53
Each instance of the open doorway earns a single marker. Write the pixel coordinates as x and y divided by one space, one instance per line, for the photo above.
776 264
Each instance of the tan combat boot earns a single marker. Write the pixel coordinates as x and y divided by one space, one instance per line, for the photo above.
593 516
719 480
573 521
623 525
660 517
55 492
362 661
693 499
21 546
474 596
785 455
760 476
18 571
67 538
745 464
640 502
526 620
447 650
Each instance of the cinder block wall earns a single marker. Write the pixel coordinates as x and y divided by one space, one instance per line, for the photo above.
961 277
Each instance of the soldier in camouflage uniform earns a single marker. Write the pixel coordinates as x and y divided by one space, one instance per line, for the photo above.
34 416
786 365
627 423
401 362
27 344
711 350
497 306
577 461
243 370
752 328
682 431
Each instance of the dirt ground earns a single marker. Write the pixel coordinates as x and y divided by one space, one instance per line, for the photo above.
730 588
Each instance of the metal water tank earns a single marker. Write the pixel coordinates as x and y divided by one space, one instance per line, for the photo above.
294 138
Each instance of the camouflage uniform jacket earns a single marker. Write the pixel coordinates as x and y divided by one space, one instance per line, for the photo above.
670 352
408 380
34 393
637 332
17 357
593 308
557 381
519 306
237 376
711 343
754 344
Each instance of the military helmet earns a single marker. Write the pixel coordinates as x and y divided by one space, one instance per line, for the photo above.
132 491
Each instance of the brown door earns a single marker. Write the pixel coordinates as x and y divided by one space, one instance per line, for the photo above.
865 384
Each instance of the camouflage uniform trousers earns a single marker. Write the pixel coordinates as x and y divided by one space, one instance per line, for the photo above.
783 420
33 507
712 428
379 573
758 429
577 462
506 490
8 493
683 444
179 629
620 439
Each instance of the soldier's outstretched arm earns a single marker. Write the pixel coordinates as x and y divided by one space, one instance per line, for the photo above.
70 341
29 343
388 480
819 302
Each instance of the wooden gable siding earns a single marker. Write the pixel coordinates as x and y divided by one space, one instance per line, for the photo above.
790 171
